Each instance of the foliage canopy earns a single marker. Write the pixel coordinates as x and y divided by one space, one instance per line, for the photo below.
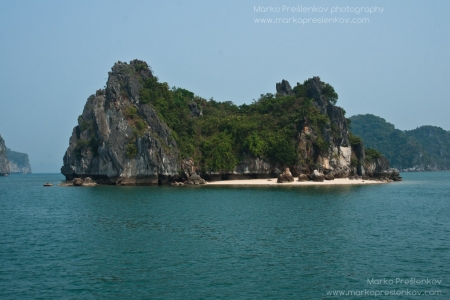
227 133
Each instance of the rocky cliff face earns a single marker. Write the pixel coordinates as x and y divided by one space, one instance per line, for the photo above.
335 155
118 140
325 148
380 169
18 162
4 163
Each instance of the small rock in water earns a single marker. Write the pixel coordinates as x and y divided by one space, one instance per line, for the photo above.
48 184
77 182
89 182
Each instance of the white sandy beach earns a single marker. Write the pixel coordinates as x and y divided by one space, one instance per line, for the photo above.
273 181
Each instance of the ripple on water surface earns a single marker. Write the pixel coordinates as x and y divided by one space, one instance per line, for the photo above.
220 242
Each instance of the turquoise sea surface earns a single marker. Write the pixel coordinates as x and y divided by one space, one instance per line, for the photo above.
212 242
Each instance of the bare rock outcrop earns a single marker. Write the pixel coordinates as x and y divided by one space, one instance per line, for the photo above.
195 179
77 182
4 162
284 88
286 176
328 177
119 140
317 176
303 177
89 182
195 110
380 169
18 162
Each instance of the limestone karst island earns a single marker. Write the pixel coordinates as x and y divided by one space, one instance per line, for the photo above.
12 161
139 131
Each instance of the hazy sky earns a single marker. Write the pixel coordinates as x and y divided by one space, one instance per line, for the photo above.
54 54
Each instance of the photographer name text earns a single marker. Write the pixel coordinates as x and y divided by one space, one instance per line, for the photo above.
409 281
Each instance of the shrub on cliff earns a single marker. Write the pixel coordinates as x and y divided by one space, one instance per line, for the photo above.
130 112
85 145
131 150
329 93
372 154
355 140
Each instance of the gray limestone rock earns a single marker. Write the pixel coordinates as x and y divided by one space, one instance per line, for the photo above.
335 157
317 176
328 177
380 168
89 182
303 177
104 145
77 182
284 88
195 111
18 162
276 172
195 179
286 176
4 162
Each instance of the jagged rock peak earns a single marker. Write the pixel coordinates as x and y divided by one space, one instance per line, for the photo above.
284 88
137 65
118 139
125 80
314 87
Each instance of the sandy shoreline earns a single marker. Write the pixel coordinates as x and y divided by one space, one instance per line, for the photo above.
273 181
266 182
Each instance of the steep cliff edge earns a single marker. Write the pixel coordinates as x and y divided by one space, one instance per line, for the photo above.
4 163
18 162
118 140
139 131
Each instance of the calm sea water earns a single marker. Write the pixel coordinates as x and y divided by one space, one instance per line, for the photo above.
223 242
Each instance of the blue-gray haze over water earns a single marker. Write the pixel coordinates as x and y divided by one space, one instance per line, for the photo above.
209 242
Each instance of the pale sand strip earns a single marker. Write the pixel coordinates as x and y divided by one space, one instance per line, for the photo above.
273 181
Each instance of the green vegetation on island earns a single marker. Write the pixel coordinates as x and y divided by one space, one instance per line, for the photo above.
226 133
139 130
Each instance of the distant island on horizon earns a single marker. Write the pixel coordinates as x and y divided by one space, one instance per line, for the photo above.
12 161
426 148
